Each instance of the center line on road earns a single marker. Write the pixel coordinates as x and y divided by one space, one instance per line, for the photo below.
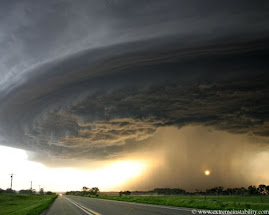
86 210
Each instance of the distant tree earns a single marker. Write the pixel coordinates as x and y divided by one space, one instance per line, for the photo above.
8 190
169 191
26 191
229 191
50 193
252 190
262 189
242 191
1 190
85 189
126 193
94 191
212 191
41 191
219 190
267 188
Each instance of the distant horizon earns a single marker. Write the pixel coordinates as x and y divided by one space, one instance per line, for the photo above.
189 191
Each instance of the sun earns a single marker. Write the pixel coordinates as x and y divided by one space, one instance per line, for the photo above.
207 172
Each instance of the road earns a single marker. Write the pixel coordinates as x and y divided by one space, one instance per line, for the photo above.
74 205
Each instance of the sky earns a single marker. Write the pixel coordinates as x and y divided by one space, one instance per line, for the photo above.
125 94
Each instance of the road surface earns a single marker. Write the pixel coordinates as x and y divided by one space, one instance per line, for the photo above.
74 205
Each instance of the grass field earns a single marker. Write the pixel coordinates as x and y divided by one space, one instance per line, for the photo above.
210 202
24 204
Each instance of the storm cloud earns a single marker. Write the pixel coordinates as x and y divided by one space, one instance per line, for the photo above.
99 79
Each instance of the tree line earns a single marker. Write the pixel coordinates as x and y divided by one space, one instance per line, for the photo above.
262 189
85 191
27 191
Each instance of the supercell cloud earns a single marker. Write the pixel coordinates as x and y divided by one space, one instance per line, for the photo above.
101 79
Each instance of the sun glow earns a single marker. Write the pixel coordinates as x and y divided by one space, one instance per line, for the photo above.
112 175
207 172
119 172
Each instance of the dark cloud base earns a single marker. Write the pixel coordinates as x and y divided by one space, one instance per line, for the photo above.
96 103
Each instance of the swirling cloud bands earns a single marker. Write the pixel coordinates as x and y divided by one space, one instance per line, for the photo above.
129 96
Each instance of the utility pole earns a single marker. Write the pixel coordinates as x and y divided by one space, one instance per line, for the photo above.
31 186
11 178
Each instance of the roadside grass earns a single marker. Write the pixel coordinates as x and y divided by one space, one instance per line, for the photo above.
24 204
200 202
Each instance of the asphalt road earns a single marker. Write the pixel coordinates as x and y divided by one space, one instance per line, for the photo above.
74 205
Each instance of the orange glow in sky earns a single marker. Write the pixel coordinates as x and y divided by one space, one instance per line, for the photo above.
110 176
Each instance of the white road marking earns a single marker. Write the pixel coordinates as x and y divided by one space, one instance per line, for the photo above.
86 210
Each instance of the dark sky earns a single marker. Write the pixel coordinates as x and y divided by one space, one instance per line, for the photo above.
101 80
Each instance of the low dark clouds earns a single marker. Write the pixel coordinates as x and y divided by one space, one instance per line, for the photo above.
96 79
109 102
36 32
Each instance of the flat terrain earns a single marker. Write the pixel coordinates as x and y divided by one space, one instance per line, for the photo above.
201 202
75 205
24 204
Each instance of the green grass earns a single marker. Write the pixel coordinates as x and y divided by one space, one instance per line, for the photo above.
211 202
24 204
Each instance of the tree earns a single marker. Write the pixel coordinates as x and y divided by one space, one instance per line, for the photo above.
242 191
262 189
94 191
50 193
8 190
41 191
267 188
169 191
215 190
126 193
252 190
85 189
26 191
219 190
